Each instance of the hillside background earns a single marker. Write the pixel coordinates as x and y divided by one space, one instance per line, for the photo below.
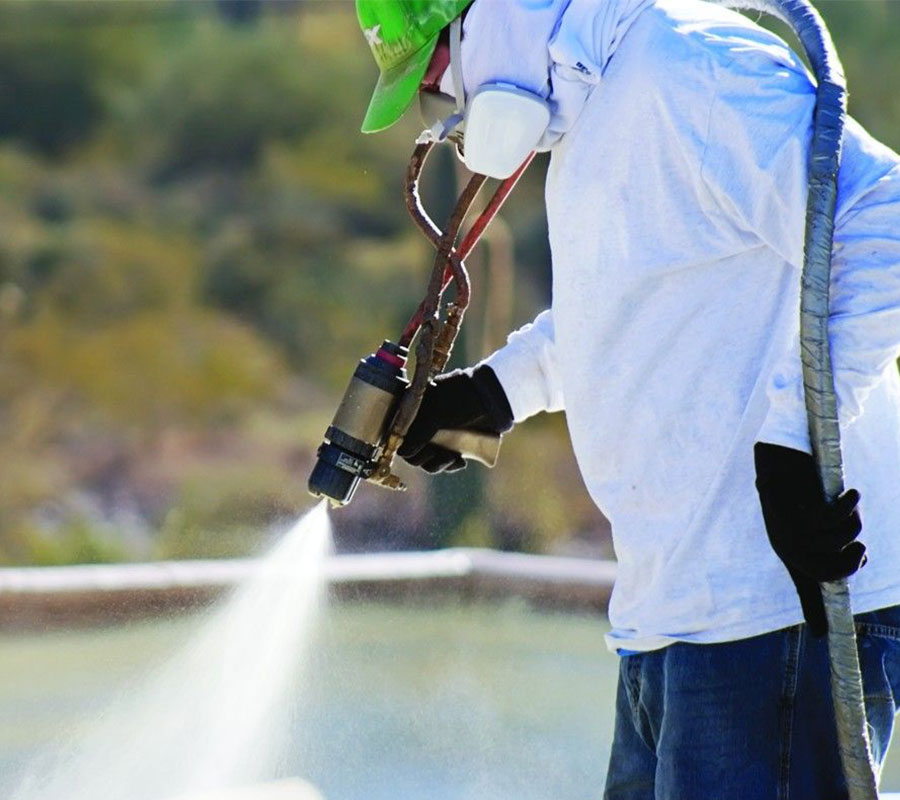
196 245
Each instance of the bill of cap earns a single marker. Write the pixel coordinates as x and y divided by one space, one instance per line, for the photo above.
396 89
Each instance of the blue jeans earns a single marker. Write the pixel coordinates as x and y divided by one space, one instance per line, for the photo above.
746 720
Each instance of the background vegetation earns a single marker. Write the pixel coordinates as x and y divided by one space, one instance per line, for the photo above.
196 245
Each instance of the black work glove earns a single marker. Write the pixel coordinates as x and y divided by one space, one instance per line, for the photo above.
472 401
815 540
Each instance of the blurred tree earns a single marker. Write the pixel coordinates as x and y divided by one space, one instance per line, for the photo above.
240 12
219 101
48 95
55 80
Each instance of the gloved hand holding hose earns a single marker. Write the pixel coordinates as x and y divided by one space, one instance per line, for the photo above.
815 540
470 400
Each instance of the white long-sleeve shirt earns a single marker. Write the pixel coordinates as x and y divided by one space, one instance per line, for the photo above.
676 205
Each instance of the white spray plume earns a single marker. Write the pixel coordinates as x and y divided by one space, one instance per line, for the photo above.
216 714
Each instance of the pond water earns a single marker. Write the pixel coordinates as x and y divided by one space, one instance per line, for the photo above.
488 702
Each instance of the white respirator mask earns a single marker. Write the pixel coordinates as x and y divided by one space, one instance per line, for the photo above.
495 131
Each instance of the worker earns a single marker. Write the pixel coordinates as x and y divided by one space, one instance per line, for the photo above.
679 136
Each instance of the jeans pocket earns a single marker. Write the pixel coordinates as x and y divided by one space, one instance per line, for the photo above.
878 639
883 623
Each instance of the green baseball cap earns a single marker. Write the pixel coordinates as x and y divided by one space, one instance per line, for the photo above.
402 35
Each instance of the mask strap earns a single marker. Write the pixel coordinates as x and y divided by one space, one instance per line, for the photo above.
443 128
456 65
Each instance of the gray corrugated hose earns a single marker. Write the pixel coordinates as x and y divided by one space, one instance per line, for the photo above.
818 380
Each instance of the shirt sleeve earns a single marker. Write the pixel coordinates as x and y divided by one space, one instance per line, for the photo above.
864 319
755 166
527 370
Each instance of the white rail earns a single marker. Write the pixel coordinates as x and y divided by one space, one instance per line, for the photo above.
452 563
40 595
287 789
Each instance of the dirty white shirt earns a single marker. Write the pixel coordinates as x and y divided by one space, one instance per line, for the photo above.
676 205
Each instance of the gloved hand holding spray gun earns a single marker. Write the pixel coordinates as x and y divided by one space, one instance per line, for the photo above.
434 421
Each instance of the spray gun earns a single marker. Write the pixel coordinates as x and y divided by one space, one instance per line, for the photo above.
381 402
355 442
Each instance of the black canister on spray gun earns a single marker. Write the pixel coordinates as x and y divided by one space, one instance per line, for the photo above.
354 440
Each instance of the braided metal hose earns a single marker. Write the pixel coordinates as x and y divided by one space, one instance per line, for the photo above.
435 338
818 379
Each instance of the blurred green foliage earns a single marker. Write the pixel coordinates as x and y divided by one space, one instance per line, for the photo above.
198 245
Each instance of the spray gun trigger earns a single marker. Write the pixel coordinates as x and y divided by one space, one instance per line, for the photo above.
385 478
